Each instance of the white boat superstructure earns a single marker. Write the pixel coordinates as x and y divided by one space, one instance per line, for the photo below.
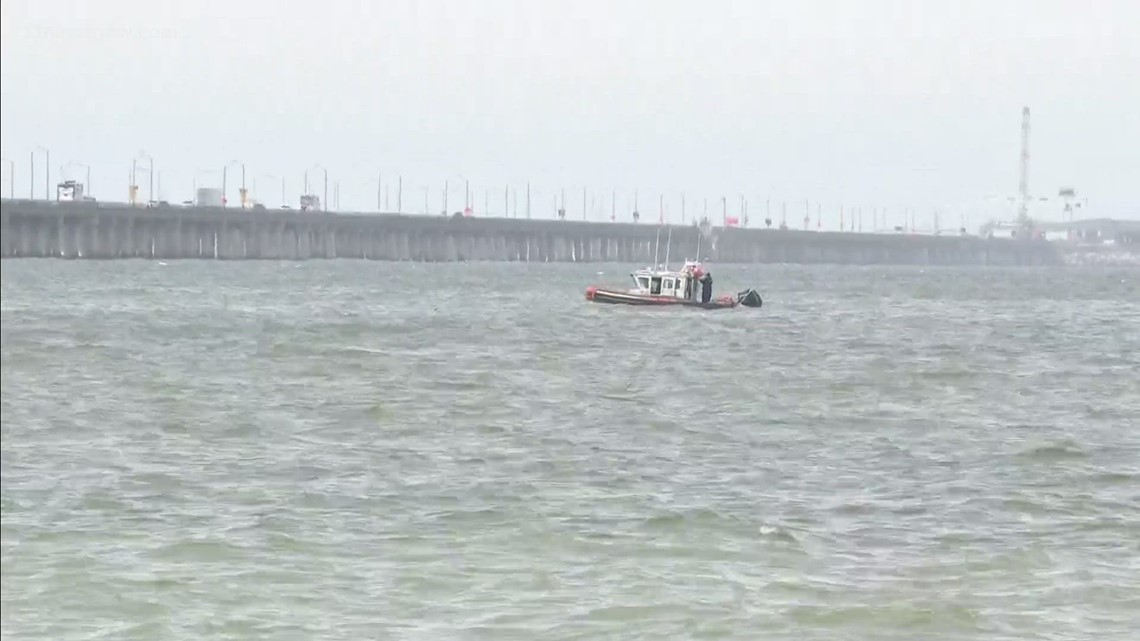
660 281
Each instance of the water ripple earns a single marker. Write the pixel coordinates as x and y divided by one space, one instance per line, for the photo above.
346 450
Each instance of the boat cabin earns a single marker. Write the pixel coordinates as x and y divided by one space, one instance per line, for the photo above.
682 284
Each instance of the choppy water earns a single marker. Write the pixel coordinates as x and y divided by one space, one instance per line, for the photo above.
352 450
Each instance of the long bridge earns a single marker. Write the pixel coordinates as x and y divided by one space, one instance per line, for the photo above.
89 230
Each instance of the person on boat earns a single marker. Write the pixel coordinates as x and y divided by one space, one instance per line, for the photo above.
706 287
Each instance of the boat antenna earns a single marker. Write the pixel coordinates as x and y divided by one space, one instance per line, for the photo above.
668 244
699 235
656 246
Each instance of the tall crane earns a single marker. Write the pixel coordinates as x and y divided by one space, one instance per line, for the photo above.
1023 184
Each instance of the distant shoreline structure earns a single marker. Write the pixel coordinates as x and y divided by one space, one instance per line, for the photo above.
80 230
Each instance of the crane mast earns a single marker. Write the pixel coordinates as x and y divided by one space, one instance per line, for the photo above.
1023 183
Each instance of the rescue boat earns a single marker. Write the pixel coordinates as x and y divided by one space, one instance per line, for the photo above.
690 286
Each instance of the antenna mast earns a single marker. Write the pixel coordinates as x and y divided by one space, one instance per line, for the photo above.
700 234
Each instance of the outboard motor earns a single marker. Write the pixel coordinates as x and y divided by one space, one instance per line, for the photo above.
749 298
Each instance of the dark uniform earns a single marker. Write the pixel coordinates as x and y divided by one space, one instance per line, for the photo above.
706 287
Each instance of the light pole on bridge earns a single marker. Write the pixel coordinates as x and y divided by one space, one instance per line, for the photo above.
226 167
325 197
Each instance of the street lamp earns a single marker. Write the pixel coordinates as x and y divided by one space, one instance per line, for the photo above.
149 171
226 167
466 191
325 197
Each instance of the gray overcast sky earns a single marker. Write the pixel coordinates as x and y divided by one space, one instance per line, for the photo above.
869 103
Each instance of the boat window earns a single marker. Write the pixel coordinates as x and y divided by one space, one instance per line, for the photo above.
642 282
655 288
667 284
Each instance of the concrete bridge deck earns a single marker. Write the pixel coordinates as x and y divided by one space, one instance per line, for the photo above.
109 231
